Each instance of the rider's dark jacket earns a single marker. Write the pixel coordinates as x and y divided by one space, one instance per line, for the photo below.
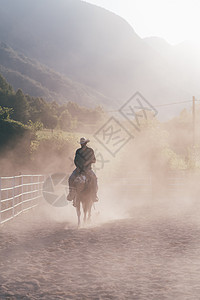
84 157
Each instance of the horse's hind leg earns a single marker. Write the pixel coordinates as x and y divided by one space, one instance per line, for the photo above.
78 211
89 211
84 205
89 215
85 213
84 219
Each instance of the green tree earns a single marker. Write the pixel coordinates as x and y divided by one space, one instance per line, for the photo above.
20 106
65 121
5 113
5 88
35 126
50 121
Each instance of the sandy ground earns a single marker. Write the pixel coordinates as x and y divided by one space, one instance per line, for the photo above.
134 258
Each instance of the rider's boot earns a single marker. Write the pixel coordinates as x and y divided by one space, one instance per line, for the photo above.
95 198
71 194
74 202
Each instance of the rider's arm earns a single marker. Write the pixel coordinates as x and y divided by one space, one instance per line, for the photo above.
90 158
77 161
94 158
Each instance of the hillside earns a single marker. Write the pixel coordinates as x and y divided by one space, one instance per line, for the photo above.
90 45
38 80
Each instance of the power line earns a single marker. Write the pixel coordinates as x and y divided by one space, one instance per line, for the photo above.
172 103
160 105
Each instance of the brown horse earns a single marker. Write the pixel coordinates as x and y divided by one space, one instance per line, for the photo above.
84 196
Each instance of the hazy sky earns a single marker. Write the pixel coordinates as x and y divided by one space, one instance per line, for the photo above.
174 20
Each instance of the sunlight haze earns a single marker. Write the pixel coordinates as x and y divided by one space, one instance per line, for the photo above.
175 21
99 149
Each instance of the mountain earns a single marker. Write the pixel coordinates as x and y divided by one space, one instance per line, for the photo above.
92 46
160 45
183 61
38 80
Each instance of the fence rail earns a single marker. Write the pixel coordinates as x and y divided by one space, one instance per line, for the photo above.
146 184
18 194
21 193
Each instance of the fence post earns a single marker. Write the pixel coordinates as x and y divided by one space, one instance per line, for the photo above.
22 191
31 191
151 185
38 193
0 200
13 201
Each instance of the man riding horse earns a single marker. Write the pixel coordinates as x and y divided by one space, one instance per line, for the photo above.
84 157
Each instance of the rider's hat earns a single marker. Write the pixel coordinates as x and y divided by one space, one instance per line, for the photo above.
83 140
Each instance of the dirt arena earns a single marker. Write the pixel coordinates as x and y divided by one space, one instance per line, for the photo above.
140 257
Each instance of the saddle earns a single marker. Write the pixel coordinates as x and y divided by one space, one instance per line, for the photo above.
82 178
81 184
83 181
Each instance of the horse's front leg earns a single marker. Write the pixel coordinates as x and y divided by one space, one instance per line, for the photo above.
78 211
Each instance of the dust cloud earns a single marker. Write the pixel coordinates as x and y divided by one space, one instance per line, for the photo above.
157 170
154 173
143 240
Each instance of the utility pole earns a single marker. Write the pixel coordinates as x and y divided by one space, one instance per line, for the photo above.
193 120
